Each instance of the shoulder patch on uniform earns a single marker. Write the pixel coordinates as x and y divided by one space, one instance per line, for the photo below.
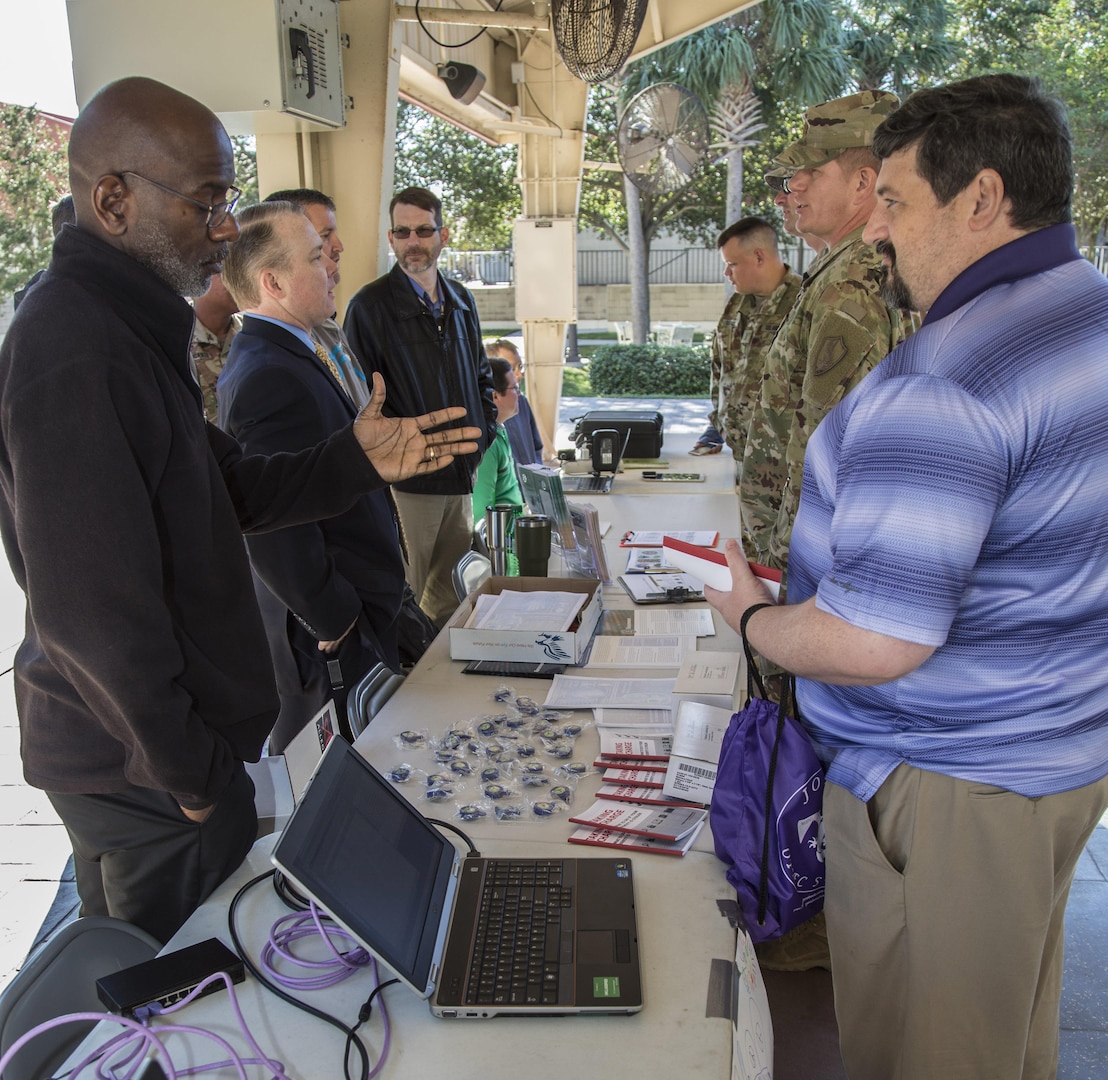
830 352
839 337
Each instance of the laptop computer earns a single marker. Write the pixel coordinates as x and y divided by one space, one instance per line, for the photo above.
381 870
599 484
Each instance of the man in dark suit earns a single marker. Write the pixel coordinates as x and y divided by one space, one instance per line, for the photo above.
340 578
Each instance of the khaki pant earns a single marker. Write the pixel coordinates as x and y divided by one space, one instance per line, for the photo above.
438 531
945 906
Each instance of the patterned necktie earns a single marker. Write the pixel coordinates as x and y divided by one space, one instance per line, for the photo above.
331 366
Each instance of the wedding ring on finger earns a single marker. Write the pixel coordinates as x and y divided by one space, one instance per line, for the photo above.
430 453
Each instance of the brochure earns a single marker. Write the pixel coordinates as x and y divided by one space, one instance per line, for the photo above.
644 743
647 796
639 776
632 842
664 823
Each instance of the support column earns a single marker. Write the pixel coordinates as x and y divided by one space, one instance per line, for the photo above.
550 180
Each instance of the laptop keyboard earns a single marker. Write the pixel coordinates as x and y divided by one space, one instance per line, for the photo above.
517 947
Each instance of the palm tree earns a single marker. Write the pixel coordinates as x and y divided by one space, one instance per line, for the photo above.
735 122
740 68
898 48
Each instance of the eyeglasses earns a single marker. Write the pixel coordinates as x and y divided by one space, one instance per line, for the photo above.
218 213
424 232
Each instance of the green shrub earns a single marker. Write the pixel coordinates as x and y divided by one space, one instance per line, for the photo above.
575 381
650 371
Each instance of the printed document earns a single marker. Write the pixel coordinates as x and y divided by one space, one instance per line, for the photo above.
645 652
655 621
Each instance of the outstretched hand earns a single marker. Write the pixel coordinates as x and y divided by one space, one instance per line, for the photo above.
746 589
397 446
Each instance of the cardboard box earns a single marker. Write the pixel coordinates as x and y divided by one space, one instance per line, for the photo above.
542 647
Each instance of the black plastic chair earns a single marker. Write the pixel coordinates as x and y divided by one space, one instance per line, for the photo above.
60 978
369 695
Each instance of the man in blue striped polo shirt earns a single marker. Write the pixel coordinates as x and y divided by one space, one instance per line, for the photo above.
948 599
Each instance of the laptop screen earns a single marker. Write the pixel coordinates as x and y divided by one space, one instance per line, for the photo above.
371 861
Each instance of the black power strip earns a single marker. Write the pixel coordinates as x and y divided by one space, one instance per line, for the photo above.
165 980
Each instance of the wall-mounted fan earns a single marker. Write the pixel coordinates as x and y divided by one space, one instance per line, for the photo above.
595 37
662 137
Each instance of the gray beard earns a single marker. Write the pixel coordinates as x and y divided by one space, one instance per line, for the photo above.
154 250
416 262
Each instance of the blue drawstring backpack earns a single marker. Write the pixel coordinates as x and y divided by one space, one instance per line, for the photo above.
767 812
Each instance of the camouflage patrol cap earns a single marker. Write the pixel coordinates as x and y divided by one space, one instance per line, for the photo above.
835 126
775 178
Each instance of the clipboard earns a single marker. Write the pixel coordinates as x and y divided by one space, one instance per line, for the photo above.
652 589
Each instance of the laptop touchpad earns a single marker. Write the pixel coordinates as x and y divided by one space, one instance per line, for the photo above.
595 946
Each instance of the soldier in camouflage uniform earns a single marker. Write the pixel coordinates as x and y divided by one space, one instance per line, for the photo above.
765 289
214 328
840 326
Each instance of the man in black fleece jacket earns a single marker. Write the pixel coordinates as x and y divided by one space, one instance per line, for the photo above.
144 679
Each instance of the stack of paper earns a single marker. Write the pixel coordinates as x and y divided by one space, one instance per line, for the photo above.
588 560
669 830
708 677
697 736
542 491
510 610
580 692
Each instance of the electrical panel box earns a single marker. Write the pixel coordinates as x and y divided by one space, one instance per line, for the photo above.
262 65
545 254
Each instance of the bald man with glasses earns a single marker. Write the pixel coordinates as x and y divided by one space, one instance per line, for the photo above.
144 680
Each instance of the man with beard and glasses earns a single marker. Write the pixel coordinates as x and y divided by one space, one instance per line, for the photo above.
947 583
422 332
144 680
